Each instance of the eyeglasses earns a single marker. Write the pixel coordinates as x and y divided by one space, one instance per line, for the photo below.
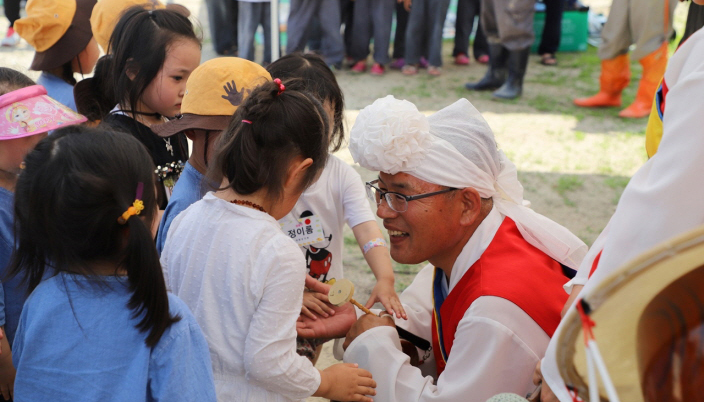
396 201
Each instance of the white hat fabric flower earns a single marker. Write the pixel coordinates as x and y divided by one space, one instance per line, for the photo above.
391 136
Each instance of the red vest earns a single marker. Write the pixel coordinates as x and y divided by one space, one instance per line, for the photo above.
512 269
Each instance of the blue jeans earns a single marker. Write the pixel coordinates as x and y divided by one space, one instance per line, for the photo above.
251 15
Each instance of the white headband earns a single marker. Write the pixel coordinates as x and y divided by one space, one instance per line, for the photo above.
455 147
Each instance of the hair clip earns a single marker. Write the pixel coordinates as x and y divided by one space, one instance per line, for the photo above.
136 208
246 121
282 87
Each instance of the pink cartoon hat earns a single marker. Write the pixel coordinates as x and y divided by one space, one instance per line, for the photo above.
29 111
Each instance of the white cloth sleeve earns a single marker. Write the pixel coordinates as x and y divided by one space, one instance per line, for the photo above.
488 357
270 347
354 196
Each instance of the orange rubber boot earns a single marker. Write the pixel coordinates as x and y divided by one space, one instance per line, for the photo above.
615 75
654 66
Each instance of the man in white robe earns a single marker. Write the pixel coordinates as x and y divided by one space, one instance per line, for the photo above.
449 196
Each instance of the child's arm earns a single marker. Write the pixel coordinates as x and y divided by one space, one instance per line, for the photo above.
379 261
346 382
7 370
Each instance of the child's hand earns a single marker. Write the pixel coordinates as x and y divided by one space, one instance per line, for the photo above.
316 303
346 382
384 293
7 370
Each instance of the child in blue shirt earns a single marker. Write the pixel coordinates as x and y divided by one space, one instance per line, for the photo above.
213 93
102 327
28 114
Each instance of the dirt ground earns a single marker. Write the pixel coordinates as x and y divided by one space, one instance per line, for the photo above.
573 163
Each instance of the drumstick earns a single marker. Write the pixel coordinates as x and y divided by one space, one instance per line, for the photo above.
342 291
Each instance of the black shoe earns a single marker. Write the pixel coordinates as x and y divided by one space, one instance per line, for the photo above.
517 63
496 73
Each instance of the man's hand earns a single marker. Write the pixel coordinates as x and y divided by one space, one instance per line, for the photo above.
407 5
546 394
385 294
334 326
367 322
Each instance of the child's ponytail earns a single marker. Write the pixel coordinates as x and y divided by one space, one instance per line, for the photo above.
271 128
95 96
149 298
76 184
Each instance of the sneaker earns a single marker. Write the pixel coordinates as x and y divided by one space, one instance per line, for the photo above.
461 59
377 69
359 67
434 71
397 64
423 62
409 69
11 39
483 59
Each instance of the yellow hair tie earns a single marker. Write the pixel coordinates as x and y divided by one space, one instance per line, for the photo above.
136 208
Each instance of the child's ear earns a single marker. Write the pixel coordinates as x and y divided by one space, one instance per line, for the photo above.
131 70
296 172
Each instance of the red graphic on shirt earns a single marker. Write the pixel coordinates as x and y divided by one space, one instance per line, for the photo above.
318 259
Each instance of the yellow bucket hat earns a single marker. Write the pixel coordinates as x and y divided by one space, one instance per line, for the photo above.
214 91
648 322
57 29
107 13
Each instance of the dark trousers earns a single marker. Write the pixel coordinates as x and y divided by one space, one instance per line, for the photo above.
12 10
347 18
251 15
328 13
400 34
466 11
426 16
222 16
553 26
695 20
372 18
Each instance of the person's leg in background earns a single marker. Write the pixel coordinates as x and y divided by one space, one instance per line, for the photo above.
651 28
12 12
480 47
328 12
299 18
552 31
695 20
437 12
247 24
222 17
361 34
382 13
515 23
463 29
615 63
347 19
400 36
496 72
415 31
265 21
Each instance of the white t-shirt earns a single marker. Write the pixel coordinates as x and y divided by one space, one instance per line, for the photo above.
243 280
337 197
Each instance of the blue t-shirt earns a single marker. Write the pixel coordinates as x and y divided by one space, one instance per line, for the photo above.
189 188
12 291
77 341
58 89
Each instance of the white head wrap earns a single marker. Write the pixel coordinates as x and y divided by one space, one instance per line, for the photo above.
455 147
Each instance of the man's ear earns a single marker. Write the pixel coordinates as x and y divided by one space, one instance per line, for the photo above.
471 205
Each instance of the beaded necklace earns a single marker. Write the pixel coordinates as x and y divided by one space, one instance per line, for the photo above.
249 204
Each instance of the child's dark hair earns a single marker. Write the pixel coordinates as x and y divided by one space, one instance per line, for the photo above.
12 80
75 185
313 75
94 96
139 45
256 154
